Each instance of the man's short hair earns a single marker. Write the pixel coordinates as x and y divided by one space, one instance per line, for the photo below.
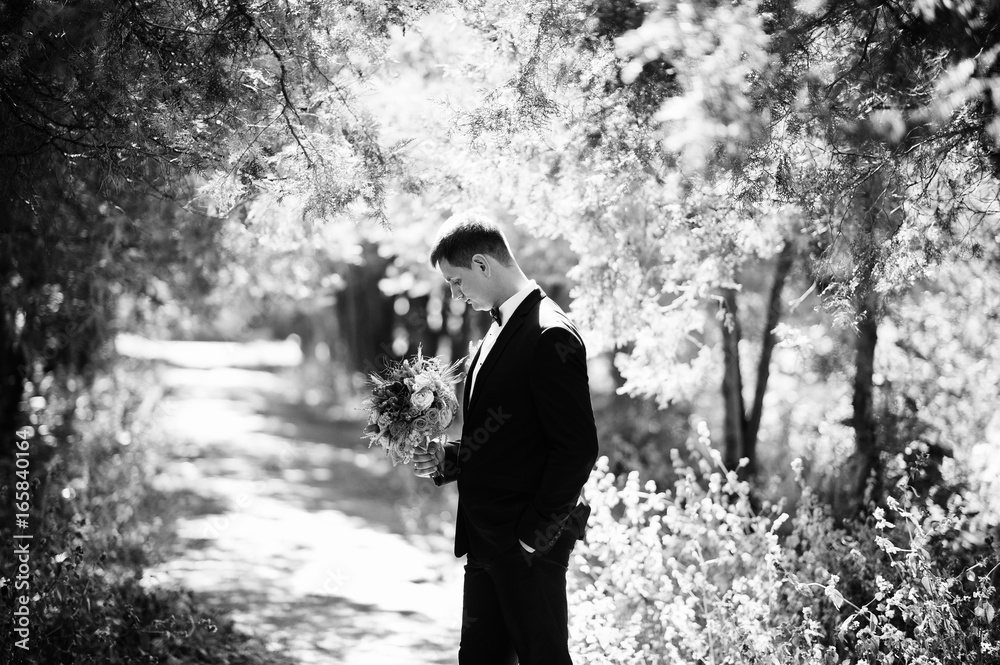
465 235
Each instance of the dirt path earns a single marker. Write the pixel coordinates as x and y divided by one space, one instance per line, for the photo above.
289 524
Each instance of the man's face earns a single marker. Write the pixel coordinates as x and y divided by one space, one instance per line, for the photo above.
470 284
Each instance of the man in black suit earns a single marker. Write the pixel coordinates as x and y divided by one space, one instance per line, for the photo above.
528 445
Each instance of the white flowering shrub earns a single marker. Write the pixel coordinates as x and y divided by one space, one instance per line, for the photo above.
926 604
698 574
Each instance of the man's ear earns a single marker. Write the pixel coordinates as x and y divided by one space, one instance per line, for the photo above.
480 263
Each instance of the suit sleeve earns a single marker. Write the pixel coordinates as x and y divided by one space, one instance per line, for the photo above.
449 466
561 393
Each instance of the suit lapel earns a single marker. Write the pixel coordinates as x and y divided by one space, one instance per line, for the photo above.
506 333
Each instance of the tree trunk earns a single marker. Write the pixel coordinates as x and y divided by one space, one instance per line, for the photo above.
732 383
862 473
418 329
12 376
781 270
863 466
366 314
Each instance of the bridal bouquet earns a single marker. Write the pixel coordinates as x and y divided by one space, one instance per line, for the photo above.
412 403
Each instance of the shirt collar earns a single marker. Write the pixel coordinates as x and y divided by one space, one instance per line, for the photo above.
510 305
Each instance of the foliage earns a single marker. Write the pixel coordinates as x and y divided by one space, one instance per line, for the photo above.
683 150
262 93
938 375
753 141
96 521
922 609
114 116
696 574
664 155
935 387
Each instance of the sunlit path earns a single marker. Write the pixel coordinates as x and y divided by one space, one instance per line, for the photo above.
288 524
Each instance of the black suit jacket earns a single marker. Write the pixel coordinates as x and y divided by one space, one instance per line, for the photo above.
528 441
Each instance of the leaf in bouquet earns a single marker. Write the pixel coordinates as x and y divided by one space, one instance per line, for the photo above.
377 380
402 450
455 371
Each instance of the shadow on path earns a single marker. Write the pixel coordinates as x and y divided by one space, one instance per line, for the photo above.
291 526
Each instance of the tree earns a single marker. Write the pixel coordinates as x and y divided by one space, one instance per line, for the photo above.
684 143
115 116
660 250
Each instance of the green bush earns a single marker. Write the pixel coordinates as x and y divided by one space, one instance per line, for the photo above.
696 575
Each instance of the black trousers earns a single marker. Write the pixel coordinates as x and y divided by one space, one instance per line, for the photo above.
515 608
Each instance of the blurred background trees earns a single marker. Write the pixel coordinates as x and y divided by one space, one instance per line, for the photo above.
698 155
119 119
776 216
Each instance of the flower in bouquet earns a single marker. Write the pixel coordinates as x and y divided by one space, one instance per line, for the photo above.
412 403
420 424
422 399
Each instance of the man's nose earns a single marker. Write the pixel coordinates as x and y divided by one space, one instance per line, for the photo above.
456 293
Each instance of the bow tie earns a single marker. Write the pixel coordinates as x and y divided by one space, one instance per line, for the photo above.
495 314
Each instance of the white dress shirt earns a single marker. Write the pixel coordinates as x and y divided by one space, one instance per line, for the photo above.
507 310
